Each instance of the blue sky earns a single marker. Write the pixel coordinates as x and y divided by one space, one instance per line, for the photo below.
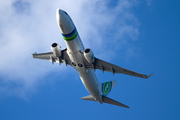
138 35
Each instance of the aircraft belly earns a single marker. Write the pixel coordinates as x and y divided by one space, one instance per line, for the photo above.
88 77
90 82
74 45
73 48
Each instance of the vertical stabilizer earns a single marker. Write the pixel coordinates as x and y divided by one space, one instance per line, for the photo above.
107 87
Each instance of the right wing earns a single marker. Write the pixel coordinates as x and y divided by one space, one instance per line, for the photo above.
50 56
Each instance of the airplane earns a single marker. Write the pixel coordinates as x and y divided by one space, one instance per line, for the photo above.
84 61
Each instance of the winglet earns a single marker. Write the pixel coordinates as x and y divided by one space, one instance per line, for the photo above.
147 76
34 53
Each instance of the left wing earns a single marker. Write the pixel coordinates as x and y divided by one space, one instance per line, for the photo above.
105 66
50 56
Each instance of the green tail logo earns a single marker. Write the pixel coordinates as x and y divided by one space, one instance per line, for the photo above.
106 87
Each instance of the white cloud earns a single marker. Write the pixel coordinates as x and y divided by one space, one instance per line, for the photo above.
27 26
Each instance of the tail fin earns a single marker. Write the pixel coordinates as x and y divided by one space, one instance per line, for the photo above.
107 87
113 102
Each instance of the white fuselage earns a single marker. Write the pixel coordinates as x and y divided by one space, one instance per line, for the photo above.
74 46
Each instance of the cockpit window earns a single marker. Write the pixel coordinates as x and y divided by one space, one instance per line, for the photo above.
65 13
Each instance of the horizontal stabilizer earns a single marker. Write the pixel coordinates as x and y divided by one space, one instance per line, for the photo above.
105 100
113 102
89 97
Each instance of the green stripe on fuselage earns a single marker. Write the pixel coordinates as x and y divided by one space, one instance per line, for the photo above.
72 37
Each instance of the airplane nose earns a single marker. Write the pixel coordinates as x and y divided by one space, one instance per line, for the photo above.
58 14
62 17
64 21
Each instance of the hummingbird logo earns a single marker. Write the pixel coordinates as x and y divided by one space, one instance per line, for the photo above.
106 87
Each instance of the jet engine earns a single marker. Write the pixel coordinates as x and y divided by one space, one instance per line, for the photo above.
56 49
88 54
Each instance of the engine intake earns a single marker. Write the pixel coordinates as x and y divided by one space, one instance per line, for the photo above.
56 49
88 54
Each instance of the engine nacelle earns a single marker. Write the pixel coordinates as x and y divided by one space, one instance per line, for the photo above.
88 54
56 49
